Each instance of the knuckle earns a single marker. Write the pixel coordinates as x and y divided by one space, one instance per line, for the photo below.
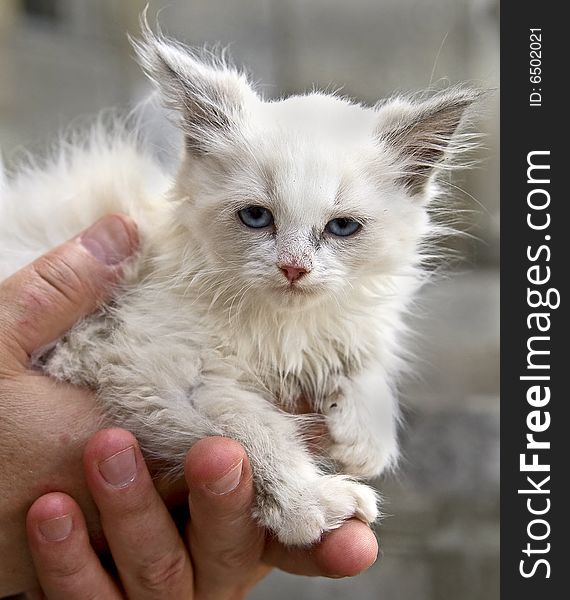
61 277
233 559
67 571
163 573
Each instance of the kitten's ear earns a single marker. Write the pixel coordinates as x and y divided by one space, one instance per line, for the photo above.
424 133
209 94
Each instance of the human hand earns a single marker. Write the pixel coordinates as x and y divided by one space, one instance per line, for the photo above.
225 554
44 424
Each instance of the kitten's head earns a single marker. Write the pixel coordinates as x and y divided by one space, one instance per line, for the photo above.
306 197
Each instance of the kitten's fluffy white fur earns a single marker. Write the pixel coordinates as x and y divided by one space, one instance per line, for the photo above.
207 336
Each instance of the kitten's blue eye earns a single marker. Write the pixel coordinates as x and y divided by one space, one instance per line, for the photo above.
256 217
343 227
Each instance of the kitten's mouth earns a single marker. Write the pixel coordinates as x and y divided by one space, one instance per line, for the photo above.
298 291
295 290
298 297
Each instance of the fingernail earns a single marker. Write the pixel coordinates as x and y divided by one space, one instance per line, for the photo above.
56 530
108 240
120 469
228 482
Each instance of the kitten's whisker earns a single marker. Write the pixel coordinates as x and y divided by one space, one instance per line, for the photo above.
242 296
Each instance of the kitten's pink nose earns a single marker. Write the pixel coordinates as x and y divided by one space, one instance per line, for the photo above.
292 273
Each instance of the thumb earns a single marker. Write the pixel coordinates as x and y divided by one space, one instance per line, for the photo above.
44 299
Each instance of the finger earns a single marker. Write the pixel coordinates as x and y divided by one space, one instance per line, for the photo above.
147 549
43 300
66 565
225 542
344 552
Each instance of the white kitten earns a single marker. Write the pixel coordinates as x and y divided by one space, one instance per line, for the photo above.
277 266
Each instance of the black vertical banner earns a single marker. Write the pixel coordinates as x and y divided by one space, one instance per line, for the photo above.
535 360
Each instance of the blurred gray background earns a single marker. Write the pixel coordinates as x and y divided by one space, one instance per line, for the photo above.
64 59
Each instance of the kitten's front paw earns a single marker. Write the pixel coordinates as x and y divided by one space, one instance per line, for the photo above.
324 504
